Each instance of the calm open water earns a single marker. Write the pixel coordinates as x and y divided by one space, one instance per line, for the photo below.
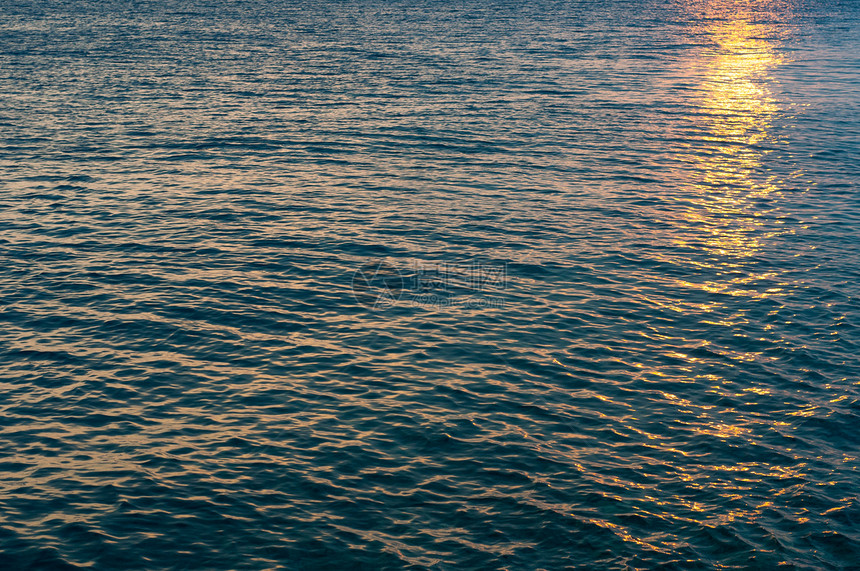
423 284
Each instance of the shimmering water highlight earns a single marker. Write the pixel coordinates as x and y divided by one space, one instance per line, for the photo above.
424 284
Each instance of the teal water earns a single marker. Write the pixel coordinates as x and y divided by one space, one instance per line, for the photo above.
429 285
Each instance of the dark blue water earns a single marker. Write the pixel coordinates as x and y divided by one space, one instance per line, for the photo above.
430 285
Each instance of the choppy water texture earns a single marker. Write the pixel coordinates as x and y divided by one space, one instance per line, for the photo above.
425 284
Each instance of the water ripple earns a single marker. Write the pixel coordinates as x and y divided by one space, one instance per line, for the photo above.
413 285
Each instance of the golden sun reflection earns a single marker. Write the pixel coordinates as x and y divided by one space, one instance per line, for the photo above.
725 219
733 123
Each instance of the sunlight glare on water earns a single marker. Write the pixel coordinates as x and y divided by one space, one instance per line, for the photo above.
421 284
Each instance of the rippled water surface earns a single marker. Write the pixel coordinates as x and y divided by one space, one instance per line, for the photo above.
424 284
